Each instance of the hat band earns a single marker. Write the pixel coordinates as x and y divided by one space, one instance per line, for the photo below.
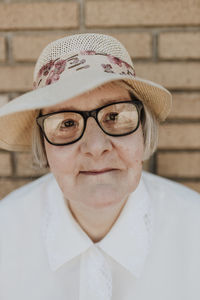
54 69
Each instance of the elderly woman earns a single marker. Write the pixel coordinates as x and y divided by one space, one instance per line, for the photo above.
96 227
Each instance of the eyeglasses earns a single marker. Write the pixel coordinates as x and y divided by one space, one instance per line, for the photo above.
67 127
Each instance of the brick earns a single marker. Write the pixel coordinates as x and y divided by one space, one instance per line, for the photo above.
5 164
185 106
18 1
3 100
9 185
179 45
2 48
181 75
16 78
25 167
41 15
29 47
179 136
142 13
195 185
13 95
179 164
139 45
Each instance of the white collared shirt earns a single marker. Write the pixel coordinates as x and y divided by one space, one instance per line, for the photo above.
151 252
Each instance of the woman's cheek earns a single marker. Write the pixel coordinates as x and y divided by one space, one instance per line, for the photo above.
60 158
131 152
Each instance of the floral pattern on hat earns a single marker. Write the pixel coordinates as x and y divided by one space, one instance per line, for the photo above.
88 52
60 66
51 71
107 68
115 60
54 75
44 70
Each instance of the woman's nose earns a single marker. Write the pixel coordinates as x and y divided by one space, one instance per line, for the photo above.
94 141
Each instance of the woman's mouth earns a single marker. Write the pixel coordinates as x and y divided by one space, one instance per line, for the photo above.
96 172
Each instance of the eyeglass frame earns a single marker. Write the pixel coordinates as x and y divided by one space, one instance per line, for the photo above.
91 113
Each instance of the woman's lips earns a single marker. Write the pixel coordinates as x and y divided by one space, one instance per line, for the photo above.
96 172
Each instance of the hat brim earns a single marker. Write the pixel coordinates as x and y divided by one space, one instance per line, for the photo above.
18 116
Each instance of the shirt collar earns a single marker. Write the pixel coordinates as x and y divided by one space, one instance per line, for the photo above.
128 241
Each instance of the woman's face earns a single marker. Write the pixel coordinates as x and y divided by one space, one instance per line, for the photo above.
98 170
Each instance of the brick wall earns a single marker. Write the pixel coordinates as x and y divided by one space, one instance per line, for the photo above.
163 38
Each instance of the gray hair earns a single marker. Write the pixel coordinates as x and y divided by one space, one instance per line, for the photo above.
149 128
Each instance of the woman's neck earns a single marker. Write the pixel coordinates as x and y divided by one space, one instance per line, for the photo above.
95 222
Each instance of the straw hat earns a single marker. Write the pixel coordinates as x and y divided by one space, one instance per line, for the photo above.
67 68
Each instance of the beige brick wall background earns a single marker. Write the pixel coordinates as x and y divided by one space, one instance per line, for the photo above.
163 38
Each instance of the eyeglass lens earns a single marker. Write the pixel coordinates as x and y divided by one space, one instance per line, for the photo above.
115 119
63 127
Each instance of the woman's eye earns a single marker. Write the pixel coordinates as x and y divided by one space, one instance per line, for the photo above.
68 124
111 116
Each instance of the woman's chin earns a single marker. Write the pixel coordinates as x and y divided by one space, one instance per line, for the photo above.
102 199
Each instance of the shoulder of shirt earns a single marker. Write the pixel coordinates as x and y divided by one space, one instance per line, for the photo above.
169 190
176 211
26 193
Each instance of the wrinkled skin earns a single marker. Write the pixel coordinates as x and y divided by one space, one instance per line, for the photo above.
116 162
97 151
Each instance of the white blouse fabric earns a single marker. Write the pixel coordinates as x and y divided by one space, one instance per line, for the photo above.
151 252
